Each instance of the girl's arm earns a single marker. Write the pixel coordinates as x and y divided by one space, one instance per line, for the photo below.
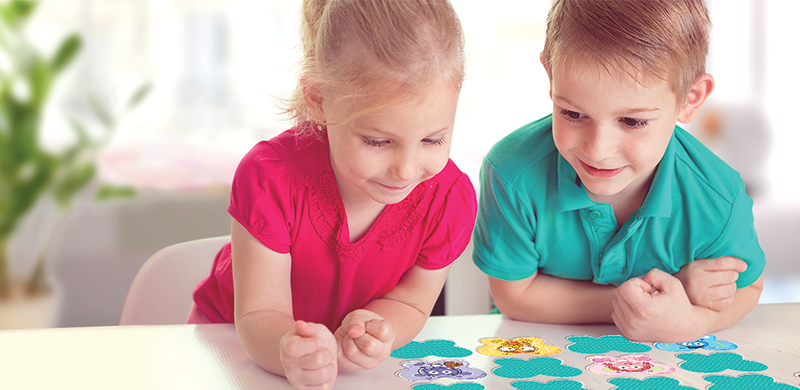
548 299
305 353
367 336
409 304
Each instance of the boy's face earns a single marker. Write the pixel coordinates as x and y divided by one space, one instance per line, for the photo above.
612 130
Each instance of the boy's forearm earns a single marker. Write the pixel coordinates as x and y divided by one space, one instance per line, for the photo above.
260 333
745 299
548 299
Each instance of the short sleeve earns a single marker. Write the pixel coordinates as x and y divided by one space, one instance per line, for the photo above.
453 228
261 195
739 239
504 238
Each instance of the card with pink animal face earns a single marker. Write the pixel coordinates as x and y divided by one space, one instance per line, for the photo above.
625 365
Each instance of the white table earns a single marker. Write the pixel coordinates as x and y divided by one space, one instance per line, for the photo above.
211 357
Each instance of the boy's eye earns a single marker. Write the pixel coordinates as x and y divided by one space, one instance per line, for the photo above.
375 141
633 123
571 115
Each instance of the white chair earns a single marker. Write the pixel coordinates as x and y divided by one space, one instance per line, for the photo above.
161 292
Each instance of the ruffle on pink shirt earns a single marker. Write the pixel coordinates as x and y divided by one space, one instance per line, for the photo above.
393 226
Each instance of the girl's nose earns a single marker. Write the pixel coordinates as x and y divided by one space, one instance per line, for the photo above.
405 165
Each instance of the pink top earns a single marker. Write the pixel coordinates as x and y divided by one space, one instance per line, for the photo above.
285 194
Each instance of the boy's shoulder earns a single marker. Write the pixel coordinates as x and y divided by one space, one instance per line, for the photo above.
522 152
706 168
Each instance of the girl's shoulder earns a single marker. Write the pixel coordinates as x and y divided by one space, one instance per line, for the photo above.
451 176
293 152
451 187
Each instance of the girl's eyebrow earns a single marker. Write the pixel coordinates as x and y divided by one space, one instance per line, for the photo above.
388 134
626 111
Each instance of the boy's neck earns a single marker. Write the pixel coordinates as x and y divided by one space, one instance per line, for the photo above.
626 202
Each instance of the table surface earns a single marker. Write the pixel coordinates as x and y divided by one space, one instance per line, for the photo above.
211 357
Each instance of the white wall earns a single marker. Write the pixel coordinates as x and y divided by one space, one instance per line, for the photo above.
219 65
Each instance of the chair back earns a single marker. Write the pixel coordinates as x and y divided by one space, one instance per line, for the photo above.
161 292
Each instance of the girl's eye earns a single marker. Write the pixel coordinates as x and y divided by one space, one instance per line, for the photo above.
377 142
633 123
435 141
572 115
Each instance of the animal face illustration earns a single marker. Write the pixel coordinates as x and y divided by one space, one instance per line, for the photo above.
629 364
505 347
709 342
421 370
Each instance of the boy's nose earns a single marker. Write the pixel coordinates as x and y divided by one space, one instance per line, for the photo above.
599 144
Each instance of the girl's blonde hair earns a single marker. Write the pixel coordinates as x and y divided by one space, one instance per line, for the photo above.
665 39
377 51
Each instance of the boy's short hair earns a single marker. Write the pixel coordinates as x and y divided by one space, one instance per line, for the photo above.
665 39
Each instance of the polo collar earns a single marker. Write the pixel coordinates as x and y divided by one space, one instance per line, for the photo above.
572 194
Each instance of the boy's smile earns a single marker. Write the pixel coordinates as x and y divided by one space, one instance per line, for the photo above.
612 130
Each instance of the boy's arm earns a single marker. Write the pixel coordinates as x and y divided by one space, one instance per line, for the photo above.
367 336
548 299
711 283
655 307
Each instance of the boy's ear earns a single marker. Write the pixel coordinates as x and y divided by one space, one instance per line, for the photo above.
541 59
697 95
313 95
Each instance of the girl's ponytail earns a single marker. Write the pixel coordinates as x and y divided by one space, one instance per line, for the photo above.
376 50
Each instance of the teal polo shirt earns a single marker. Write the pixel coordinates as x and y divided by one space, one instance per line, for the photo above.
534 214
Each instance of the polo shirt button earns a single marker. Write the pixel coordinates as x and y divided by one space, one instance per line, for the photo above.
595 214
433 185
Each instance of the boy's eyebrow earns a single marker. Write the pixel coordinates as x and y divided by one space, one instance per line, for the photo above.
627 111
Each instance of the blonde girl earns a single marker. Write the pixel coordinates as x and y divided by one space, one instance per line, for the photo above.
344 226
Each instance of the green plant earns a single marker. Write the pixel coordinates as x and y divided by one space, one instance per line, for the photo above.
28 172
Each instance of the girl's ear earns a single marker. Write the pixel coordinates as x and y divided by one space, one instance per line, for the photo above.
697 95
313 95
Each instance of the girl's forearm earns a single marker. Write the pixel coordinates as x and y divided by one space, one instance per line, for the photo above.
406 320
260 333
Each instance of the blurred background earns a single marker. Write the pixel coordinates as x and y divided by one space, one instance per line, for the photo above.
178 90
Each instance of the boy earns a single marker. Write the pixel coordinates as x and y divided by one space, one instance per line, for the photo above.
605 211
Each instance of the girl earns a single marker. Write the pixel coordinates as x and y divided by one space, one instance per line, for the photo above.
344 227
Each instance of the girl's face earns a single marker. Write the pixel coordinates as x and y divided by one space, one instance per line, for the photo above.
381 156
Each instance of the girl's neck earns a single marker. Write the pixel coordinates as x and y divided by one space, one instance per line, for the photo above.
361 211
361 217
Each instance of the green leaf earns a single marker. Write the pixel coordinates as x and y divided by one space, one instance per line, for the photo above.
139 95
100 112
23 8
40 79
80 131
74 181
66 52
25 192
110 191
16 12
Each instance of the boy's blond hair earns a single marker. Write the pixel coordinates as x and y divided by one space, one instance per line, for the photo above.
379 51
661 39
